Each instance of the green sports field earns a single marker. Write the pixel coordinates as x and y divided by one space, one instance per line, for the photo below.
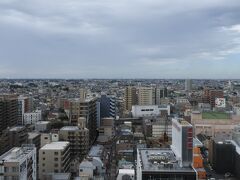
215 115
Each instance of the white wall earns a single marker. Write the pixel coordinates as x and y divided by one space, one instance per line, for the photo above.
32 118
153 110
176 139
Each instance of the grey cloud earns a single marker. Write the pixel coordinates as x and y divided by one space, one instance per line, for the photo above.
128 37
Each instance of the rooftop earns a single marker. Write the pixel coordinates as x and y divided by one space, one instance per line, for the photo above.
151 106
32 135
70 128
86 164
122 164
126 171
16 154
43 122
60 145
215 115
17 128
181 122
161 160
197 143
96 151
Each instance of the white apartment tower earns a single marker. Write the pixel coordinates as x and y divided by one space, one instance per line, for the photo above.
32 118
19 163
188 85
182 141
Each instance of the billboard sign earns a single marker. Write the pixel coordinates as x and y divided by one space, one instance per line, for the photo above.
220 102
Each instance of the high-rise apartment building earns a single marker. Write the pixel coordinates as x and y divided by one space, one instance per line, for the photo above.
35 138
32 118
87 109
107 127
23 107
54 158
182 141
210 95
4 142
151 95
188 85
17 136
8 111
130 97
161 92
78 138
146 96
83 94
13 137
19 163
107 106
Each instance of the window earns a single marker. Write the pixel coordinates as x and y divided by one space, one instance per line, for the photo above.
43 164
55 159
43 152
43 159
55 165
55 153
14 169
15 178
56 170
43 170
6 169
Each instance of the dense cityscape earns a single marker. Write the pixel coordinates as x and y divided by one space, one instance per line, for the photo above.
100 129
119 90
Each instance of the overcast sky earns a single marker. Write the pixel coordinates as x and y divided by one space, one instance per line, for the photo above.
119 39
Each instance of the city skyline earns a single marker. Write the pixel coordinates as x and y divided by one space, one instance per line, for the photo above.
108 39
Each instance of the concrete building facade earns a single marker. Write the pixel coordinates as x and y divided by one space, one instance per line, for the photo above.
8 111
149 110
107 106
146 96
182 141
19 163
130 97
54 158
23 107
32 118
88 110
161 164
78 138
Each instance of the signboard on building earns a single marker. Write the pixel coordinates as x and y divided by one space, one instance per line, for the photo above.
220 102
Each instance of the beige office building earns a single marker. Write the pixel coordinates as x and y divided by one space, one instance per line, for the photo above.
78 138
146 96
87 109
54 158
130 97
